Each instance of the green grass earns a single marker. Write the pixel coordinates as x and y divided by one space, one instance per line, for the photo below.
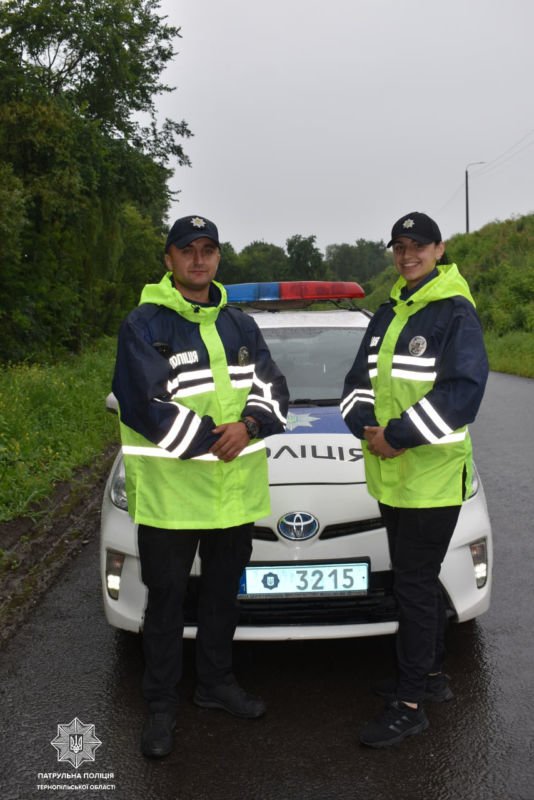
512 353
52 421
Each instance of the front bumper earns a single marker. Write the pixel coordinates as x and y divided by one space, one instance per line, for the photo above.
326 618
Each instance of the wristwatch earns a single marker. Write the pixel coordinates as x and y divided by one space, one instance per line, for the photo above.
251 425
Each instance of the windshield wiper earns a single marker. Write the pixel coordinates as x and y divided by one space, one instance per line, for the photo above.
323 401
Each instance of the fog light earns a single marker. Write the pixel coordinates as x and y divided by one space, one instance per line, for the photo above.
479 554
114 565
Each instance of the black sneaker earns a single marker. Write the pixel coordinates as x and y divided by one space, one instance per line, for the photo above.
393 724
232 698
437 689
157 739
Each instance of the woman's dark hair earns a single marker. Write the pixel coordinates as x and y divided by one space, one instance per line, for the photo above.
444 258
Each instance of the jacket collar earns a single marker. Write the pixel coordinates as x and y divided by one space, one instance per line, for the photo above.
165 294
447 283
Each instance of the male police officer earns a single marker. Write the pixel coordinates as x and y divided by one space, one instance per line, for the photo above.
198 391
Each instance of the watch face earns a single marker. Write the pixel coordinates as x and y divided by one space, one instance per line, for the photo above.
252 428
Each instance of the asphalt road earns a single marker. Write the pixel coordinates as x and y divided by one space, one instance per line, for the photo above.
66 664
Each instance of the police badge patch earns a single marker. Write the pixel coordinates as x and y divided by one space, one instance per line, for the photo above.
417 346
243 357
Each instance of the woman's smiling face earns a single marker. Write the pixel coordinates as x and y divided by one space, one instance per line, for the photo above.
415 260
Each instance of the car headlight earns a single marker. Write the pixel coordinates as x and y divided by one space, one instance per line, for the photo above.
479 554
117 490
475 482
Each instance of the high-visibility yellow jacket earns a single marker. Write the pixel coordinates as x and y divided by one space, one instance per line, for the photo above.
420 372
183 368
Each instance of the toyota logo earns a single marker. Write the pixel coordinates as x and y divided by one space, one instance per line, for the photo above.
298 525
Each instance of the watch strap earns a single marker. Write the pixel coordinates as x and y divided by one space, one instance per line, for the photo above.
252 427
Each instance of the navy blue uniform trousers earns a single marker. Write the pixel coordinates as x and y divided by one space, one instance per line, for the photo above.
418 541
166 560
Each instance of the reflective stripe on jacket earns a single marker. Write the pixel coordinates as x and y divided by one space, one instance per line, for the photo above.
420 372
181 370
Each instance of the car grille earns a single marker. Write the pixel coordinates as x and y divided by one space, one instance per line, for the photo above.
330 532
263 533
350 528
377 606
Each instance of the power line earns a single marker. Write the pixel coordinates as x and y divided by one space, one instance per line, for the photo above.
492 165
489 164
499 162
451 198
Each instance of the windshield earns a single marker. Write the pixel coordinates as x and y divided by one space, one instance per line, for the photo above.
315 361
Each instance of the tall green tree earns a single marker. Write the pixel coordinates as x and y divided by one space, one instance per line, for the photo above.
260 261
105 57
341 261
305 258
229 269
77 77
360 261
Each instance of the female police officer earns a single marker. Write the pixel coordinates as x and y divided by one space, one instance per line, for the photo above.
417 381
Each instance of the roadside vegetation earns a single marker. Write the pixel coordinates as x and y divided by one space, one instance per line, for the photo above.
85 164
52 421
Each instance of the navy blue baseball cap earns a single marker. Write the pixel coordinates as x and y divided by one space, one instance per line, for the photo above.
186 229
417 226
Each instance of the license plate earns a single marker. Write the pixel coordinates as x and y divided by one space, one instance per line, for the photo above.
304 580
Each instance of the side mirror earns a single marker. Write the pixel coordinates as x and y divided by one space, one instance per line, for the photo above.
111 404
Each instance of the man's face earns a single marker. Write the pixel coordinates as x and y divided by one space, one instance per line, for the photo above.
194 267
414 260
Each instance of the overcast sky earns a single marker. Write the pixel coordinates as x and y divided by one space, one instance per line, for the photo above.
335 117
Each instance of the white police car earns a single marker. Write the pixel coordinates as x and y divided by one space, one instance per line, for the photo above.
320 565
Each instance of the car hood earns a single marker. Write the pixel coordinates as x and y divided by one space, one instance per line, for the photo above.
317 447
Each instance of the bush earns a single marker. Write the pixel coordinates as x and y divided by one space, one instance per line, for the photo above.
52 421
512 353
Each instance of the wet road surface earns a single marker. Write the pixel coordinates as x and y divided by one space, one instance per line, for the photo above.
67 663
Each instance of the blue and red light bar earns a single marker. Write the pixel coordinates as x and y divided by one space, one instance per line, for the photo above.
293 290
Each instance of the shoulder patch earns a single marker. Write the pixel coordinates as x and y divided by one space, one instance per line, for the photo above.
417 346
